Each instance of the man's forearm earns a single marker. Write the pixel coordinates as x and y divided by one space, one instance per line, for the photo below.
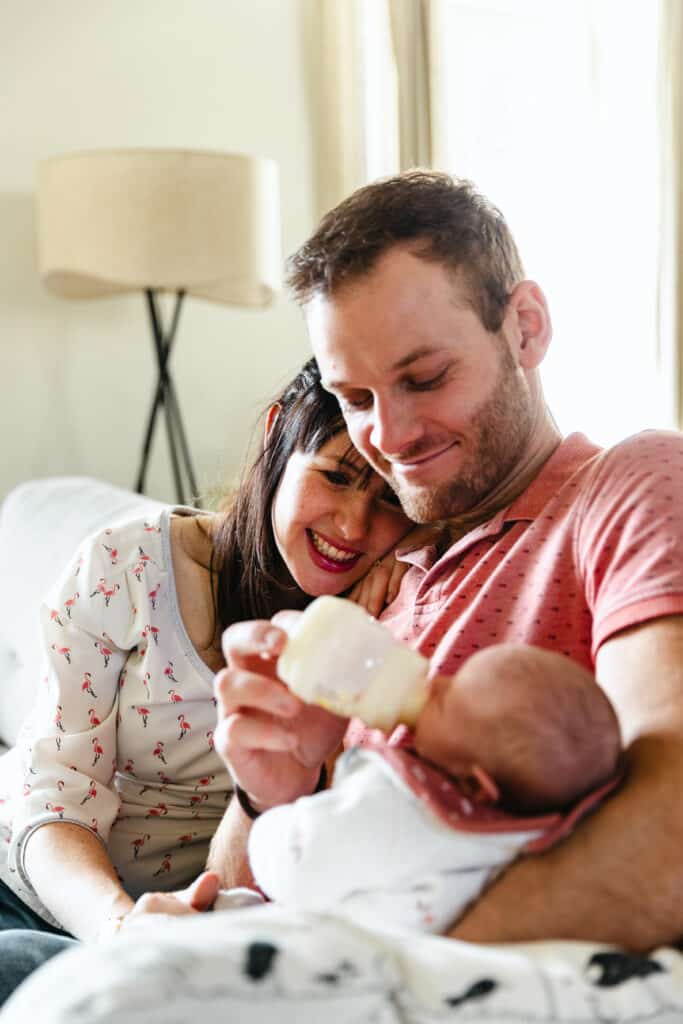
617 879
228 851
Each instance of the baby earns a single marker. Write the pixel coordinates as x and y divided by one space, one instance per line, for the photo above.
505 758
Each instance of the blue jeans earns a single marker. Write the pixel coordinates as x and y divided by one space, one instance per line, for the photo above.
26 941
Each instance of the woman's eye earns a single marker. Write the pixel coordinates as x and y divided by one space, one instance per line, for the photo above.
336 477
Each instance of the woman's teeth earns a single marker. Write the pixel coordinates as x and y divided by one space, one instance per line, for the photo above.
329 550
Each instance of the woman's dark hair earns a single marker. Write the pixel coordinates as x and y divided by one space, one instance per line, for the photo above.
249 577
444 219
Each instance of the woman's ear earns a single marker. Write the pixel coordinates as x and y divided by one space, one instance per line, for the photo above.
528 322
272 414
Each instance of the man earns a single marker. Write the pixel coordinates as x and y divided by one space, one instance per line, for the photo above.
426 330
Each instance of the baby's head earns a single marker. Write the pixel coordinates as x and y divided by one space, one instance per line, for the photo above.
537 722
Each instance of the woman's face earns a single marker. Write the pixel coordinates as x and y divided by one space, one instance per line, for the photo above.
330 522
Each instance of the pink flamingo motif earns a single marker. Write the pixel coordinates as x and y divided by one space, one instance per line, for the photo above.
168 672
145 682
78 564
165 864
104 650
209 739
143 713
176 698
186 838
107 592
91 794
55 809
60 784
142 562
94 720
138 843
163 777
151 528
157 812
27 789
86 685
70 602
112 552
159 752
197 799
93 825
122 677
98 750
58 718
129 766
152 631
54 617
153 595
205 780
184 726
65 652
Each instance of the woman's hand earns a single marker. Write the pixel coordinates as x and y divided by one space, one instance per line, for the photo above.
382 581
196 898
273 744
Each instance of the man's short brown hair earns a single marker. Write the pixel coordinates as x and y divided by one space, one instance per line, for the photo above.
443 219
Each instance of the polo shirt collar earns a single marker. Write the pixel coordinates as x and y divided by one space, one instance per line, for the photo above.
572 453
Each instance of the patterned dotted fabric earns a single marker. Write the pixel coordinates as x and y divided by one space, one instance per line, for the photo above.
594 545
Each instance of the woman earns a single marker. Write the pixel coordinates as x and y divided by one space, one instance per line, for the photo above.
120 790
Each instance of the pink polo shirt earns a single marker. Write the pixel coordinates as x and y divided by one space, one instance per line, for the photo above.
595 544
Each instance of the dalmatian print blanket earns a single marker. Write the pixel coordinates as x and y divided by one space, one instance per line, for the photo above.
267 964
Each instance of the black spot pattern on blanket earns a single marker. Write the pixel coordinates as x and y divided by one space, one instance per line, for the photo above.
344 971
481 988
259 961
609 969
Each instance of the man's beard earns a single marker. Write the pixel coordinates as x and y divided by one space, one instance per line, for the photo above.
499 433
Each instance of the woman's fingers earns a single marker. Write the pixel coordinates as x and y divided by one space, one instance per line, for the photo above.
398 571
371 592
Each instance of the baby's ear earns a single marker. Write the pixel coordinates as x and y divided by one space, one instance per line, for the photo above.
273 412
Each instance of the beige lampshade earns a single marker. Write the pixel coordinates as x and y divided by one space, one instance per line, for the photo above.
124 220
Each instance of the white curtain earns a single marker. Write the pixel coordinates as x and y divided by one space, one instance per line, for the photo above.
670 350
370 86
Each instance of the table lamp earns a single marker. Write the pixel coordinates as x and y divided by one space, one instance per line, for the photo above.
161 220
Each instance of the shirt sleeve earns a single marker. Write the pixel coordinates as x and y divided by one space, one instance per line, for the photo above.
67 746
630 537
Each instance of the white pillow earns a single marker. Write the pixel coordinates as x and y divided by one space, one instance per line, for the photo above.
42 522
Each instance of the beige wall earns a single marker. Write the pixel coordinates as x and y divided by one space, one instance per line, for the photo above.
78 74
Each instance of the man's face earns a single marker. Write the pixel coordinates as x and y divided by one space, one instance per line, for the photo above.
434 401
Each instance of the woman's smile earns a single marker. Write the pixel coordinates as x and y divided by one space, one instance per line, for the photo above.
329 556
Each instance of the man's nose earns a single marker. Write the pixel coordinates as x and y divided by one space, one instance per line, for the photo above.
394 427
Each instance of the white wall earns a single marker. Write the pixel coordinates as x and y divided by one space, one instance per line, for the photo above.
77 377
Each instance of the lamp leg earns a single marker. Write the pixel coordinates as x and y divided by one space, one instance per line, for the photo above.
165 397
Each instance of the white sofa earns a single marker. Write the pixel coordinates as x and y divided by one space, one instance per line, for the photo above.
42 523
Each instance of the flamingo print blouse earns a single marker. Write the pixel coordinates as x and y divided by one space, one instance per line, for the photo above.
120 740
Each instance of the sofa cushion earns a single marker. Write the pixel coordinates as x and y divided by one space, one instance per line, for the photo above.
42 522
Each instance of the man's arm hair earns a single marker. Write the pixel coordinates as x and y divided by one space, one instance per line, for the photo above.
619 878
228 850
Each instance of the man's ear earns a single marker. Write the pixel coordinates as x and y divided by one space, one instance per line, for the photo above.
272 414
528 327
